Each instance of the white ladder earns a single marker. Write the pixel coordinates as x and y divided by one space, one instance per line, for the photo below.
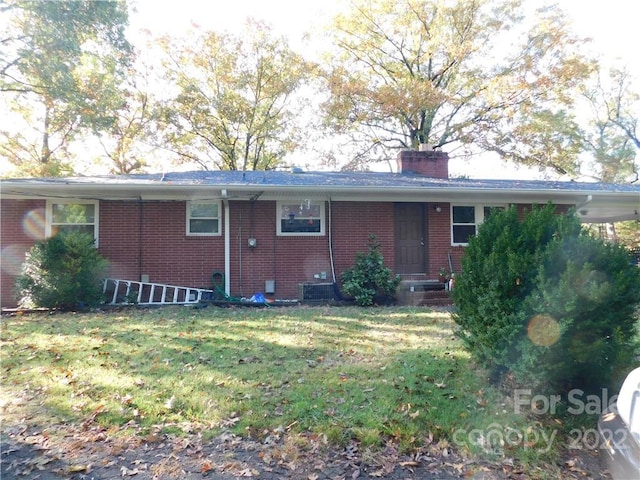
124 292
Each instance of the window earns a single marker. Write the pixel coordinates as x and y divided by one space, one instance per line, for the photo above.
465 220
300 218
203 218
78 216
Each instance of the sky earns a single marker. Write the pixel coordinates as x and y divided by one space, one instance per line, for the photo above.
613 30
612 26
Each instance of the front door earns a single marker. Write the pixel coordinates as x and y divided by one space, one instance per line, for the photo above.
409 238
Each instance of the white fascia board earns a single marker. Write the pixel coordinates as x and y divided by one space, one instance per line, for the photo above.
108 191
451 195
177 192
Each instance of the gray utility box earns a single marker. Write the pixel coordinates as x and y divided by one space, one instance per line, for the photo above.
269 286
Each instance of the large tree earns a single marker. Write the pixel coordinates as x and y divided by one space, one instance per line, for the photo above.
462 72
60 71
624 103
611 136
611 141
130 143
235 104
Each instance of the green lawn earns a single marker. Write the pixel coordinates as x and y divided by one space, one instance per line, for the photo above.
370 375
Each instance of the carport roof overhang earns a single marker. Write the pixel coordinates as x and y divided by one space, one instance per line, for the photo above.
593 202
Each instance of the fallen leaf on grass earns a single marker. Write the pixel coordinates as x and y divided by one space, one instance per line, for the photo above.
231 421
459 467
572 464
248 472
91 419
125 472
39 462
79 468
170 402
250 359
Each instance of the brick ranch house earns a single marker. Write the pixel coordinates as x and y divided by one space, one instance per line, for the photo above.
276 230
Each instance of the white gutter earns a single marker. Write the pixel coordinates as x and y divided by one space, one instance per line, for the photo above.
619 204
176 191
227 244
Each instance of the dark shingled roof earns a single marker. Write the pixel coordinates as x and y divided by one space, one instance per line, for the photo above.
374 180
597 202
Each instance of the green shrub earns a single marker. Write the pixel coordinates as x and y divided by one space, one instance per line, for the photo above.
64 272
591 292
542 299
369 282
497 269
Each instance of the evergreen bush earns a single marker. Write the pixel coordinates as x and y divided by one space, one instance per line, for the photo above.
542 299
590 292
63 272
369 282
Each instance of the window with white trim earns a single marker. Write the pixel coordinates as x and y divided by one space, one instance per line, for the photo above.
203 218
72 215
465 220
304 217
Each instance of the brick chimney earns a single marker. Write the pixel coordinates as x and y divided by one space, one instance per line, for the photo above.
425 161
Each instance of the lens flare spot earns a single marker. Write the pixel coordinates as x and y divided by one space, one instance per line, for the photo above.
33 224
543 330
12 257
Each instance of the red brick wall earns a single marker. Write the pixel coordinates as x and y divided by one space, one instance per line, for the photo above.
353 222
23 223
150 238
458 251
291 260
439 239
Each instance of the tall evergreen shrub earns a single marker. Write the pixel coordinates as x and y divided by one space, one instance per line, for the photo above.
592 291
543 300
63 272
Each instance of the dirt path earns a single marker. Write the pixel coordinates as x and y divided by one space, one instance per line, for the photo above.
48 455
91 452
33 446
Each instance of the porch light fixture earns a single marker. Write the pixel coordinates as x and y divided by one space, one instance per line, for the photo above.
437 208
252 242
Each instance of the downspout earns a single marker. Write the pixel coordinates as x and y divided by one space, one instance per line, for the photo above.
227 244
336 289
239 236
585 203
329 235
140 233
